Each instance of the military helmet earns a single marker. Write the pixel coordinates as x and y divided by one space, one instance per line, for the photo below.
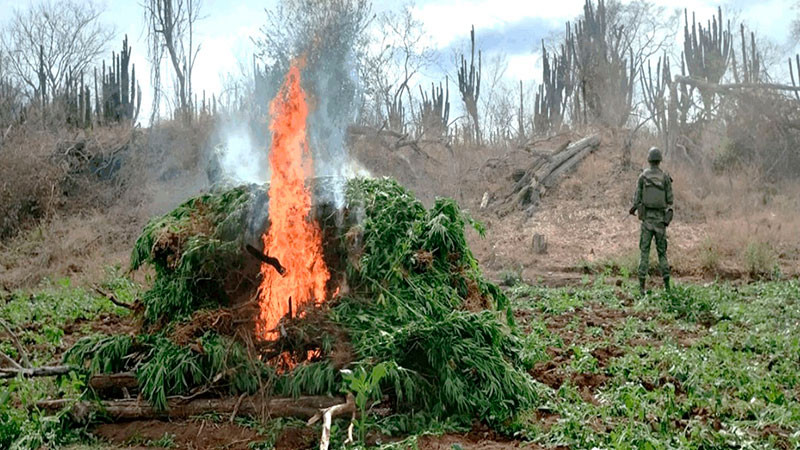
654 155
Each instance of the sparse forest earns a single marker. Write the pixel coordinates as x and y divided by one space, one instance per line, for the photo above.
369 239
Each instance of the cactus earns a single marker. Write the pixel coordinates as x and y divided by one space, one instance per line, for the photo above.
751 66
120 95
551 99
707 53
434 115
604 73
795 81
469 84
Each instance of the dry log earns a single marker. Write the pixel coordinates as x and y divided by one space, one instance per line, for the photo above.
544 173
550 177
110 381
30 372
177 408
530 172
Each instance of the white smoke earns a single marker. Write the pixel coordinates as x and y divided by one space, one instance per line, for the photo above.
240 158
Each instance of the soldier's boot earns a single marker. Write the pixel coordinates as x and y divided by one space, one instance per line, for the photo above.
666 284
641 286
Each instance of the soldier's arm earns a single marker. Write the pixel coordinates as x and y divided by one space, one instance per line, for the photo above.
668 189
637 196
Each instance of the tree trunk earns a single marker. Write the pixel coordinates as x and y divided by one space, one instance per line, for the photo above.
135 409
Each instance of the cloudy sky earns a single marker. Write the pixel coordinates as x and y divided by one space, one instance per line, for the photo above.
512 27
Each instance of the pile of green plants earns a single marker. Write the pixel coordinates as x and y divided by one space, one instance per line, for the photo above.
425 331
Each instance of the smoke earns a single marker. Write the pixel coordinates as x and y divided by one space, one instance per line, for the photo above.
329 38
240 159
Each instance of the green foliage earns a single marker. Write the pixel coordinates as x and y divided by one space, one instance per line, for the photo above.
192 249
410 287
39 318
169 369
365 386
711 366
318 378
104 354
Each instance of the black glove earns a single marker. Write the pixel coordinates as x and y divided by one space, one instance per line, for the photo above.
632 211
668 217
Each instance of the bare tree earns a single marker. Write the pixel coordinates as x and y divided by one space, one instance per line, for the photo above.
171 30
52 39
391 68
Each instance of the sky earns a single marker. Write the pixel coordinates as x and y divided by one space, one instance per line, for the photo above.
511 27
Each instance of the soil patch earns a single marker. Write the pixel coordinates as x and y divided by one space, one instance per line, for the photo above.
479 438
196 435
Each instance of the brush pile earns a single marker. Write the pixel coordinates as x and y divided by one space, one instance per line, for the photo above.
410 301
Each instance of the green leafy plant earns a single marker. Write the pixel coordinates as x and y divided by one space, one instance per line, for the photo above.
365 385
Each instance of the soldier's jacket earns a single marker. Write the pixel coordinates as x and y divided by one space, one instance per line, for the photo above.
653 218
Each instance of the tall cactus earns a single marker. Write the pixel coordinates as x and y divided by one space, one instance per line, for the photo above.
793 74
434 115
750 65
121 95
469 84
557 86
707 52
603 66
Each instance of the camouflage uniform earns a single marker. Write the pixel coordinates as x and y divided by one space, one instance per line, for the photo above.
654 220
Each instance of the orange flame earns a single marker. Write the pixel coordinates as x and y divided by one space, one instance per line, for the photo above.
293 236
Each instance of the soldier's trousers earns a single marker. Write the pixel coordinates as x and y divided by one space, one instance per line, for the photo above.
647 235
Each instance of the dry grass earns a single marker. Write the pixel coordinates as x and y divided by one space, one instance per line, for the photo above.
83 223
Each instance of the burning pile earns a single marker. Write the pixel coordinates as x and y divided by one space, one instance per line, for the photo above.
380 282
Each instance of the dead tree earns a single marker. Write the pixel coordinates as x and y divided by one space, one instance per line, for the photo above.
544 172
707 53
48 40
171 24
469 84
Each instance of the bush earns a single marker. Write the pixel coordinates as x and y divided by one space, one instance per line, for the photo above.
709 255
760 259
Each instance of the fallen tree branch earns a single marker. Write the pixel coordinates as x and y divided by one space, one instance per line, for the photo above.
266 259
31 372
402 139
15 340
109 381
328 414
543 173
112 298
728 87
135 409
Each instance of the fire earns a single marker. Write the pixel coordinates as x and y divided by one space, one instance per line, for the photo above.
293 237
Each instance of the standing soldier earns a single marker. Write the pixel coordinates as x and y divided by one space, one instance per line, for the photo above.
653 202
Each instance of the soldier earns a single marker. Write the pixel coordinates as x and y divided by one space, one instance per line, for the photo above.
653 202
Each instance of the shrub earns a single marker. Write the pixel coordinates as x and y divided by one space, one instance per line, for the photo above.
760 259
